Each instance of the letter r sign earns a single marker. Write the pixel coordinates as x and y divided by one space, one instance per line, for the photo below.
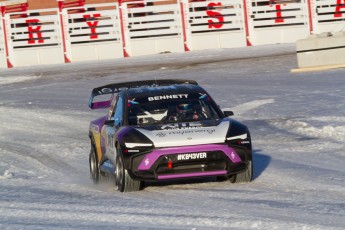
34 28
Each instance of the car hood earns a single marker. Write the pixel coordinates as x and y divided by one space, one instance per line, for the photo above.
184 134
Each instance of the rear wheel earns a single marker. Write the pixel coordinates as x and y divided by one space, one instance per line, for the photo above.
123 180
94 169
245 176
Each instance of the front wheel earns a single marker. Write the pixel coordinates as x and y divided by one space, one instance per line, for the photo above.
94 169
245 176
123 180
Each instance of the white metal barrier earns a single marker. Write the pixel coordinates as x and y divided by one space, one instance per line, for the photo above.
278 21
152 27
116 30
215 24
3 62
34 39
92 32
329 16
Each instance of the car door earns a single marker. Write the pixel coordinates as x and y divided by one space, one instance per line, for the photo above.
116 118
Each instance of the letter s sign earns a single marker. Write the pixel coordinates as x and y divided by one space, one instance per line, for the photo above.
216 15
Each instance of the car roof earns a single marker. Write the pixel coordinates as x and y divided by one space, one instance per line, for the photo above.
164 90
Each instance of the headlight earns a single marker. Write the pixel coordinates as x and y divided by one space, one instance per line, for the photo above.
239 137
137 145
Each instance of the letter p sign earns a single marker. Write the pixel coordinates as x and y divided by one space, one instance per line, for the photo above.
34 29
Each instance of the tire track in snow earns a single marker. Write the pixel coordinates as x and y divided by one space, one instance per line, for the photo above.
303 126
36 161
242 109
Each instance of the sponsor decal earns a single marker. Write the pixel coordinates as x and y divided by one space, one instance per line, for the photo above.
191 156
203 96
167 97
147 162
160 134
187 125
245 142
94 128
110 90
183 132
133 102
210 131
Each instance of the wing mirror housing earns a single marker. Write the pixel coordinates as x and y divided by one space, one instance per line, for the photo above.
109 123
228 113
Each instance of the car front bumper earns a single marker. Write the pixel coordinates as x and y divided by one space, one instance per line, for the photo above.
188 161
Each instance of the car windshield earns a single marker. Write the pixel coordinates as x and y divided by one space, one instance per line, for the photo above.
171 108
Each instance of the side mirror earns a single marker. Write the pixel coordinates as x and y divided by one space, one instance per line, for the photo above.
109 123
228 113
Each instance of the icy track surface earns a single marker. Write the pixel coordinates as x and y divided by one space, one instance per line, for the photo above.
296 120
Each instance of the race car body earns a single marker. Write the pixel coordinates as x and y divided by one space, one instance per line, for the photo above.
165 129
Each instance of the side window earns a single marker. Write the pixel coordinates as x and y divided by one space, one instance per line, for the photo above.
118 115
112 107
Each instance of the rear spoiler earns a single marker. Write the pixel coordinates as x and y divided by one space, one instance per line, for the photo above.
118 87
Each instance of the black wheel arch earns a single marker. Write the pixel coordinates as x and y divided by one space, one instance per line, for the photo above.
126 159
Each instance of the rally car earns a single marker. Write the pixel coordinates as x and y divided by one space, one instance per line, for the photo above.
165 130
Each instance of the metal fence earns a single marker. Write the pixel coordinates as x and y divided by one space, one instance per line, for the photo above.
117 30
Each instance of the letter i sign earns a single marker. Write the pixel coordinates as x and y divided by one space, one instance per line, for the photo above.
279 14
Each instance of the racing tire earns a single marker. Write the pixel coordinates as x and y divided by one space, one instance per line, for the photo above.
94 168
123 180
243 177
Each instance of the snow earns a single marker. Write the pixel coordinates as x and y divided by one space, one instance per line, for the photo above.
296 121
14 79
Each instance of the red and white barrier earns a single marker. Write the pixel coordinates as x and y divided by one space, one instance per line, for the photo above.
92 33
2 46
328 15
34 39
273 21
77 32
151 27
8 7
215 24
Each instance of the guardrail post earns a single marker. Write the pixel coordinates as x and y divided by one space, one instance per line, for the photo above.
246 21
123 37
3 12
5 7
310 4
62 23
185 24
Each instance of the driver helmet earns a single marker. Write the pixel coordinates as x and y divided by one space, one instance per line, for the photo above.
184 108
